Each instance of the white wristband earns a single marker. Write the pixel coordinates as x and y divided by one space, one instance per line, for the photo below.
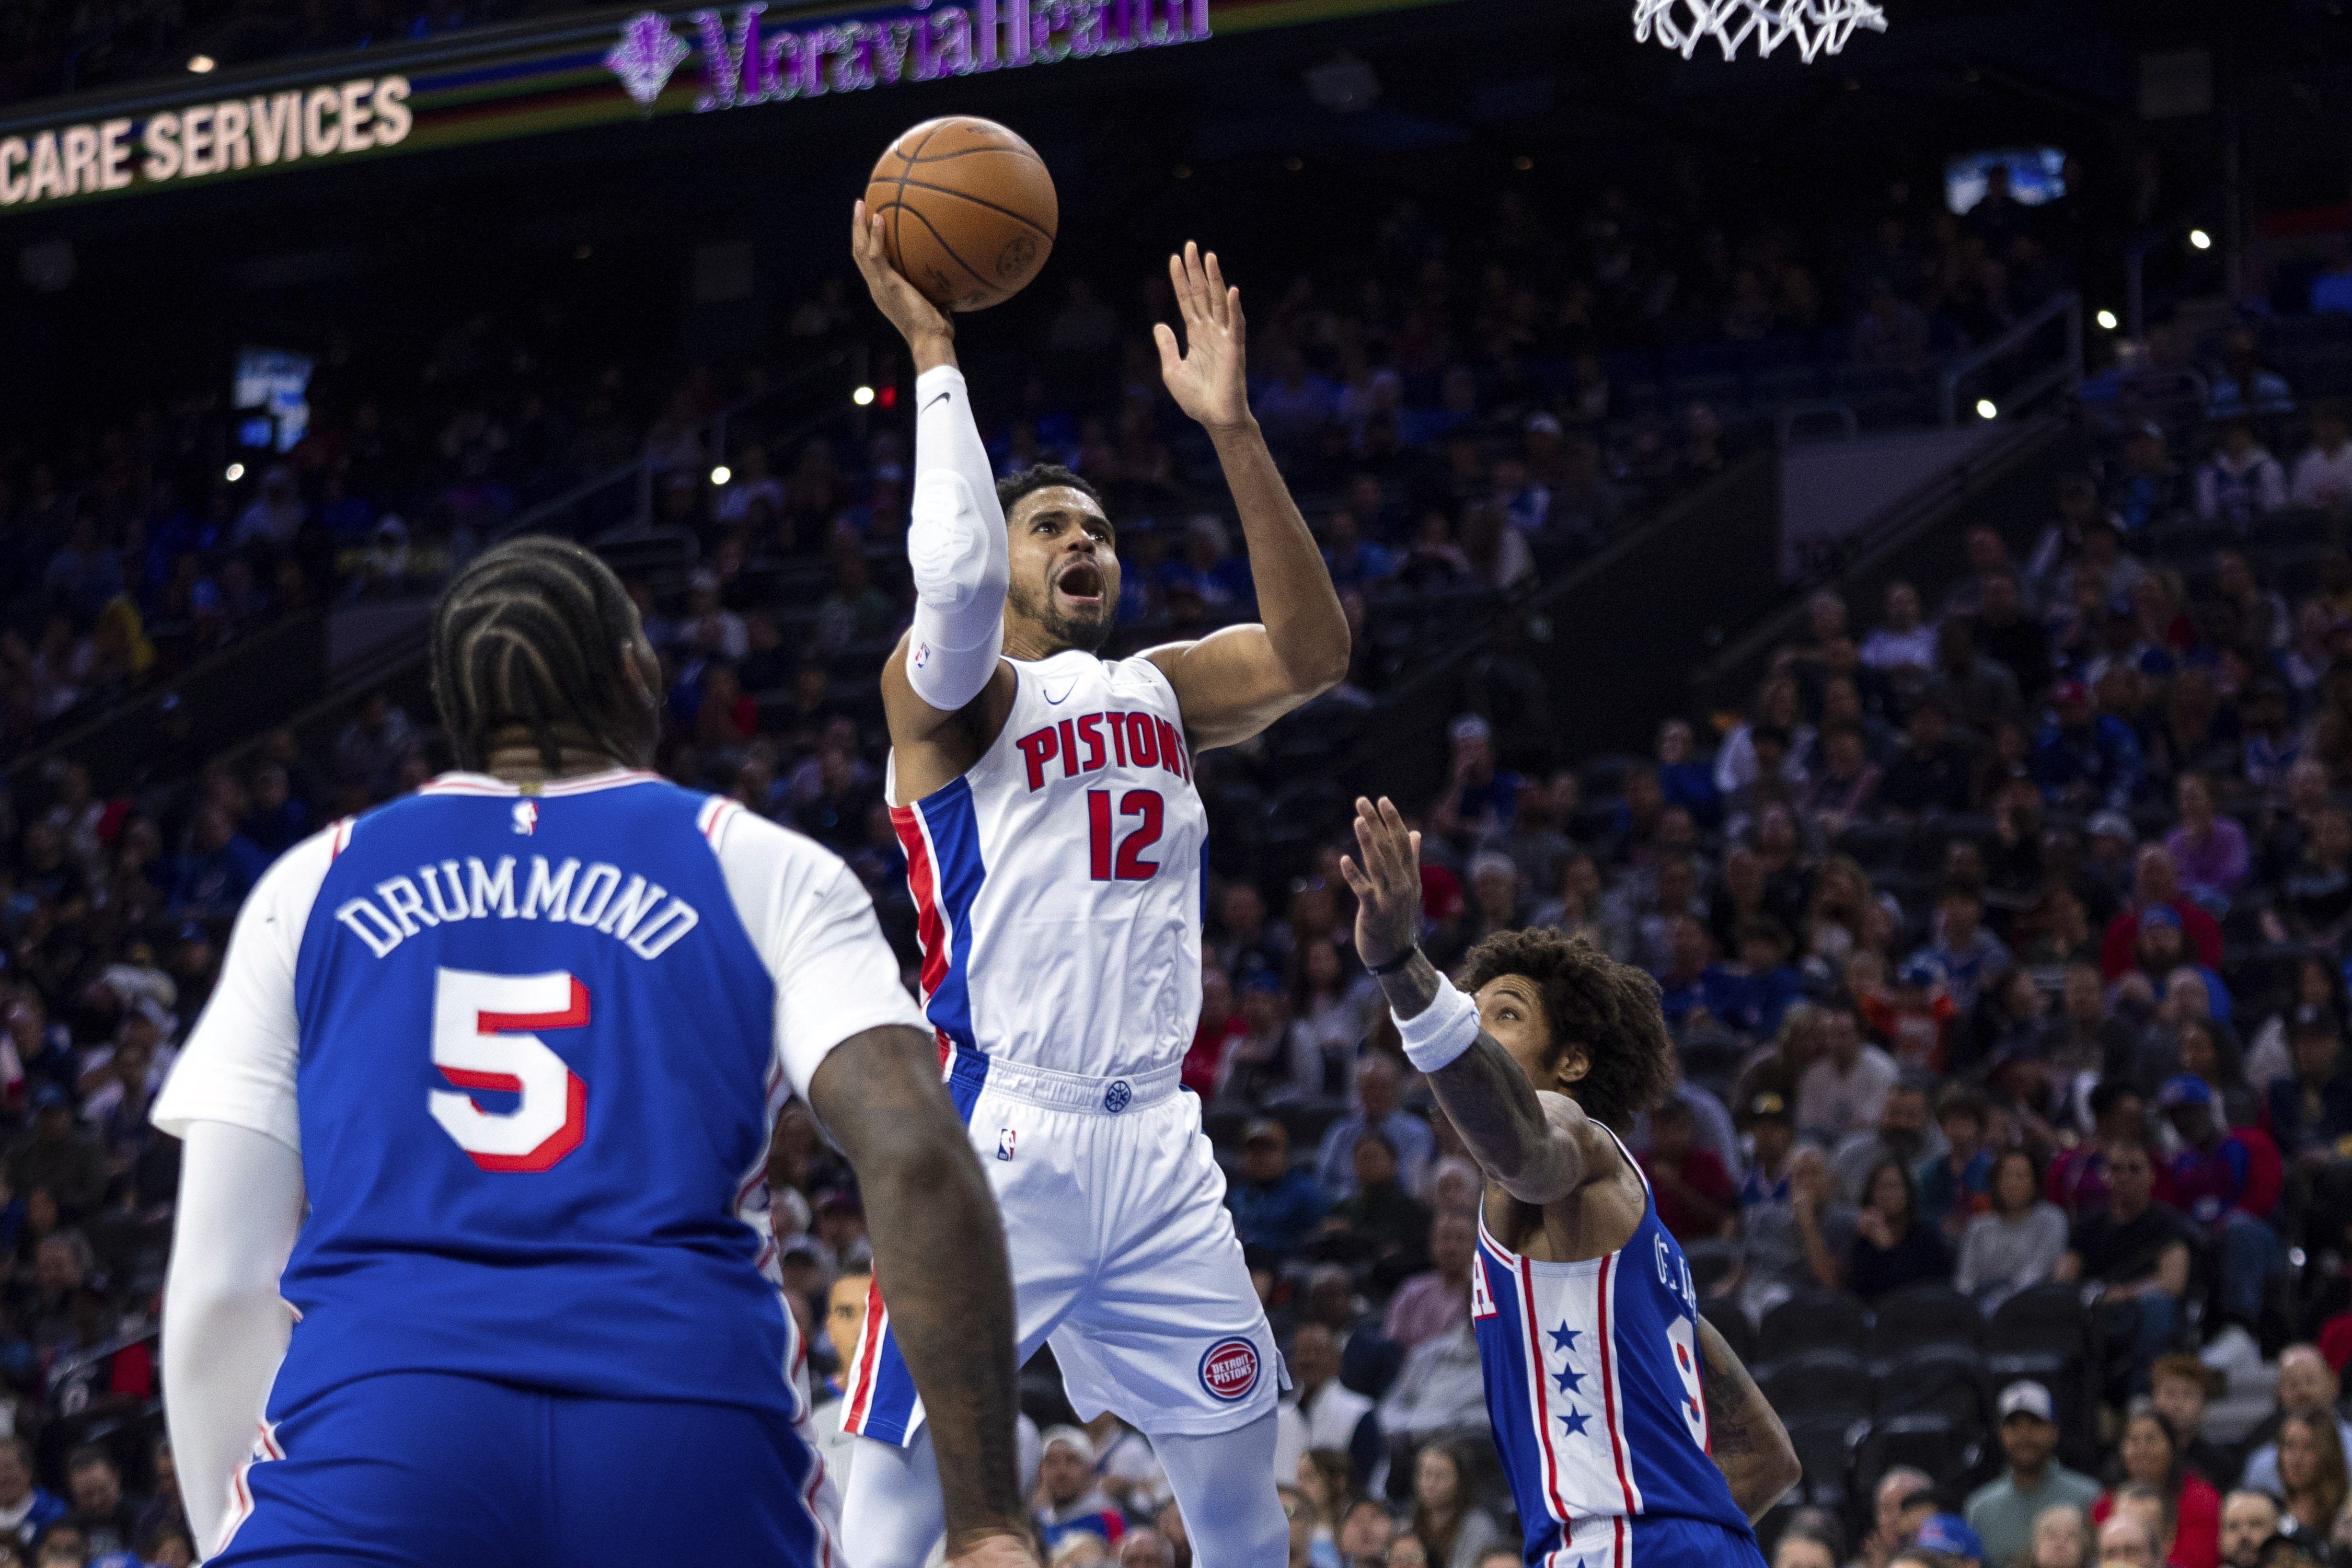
1441 1031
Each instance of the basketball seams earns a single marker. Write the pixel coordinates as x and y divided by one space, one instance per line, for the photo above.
986 282
904 180
1017 247
968 152
898 199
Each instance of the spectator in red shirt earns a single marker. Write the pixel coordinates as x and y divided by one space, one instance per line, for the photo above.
2155 881
2226 1181
1221 1025
2150 1455
1694 1192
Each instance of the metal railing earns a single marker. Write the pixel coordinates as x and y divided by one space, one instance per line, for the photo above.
620 500
1888 530
2066 371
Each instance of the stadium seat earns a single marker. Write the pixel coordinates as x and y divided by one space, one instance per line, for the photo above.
1948 1379
1923 1315
2044 1334
1819 1383
1824 1446
1813 1319
2044 1322
1733 1325
1711 1262
1932 1443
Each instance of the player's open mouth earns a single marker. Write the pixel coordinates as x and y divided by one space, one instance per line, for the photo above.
1081 580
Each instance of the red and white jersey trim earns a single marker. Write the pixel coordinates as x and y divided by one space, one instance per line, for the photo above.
716 814
240 1490
484 784
1567 1329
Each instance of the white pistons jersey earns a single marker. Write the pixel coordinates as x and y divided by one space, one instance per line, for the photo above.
1058 883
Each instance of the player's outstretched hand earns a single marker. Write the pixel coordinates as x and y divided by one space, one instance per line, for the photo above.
1210 379
917 319
995 1552
1387 884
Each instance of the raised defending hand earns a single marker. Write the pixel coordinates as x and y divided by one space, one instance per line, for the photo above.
920 322
1209 380
1387 884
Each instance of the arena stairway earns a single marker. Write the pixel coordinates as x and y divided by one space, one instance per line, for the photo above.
2005 485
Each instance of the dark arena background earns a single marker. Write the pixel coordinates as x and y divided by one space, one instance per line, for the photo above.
1863 540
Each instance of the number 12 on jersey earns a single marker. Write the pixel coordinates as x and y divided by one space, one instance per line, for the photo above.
1129 865
482 1040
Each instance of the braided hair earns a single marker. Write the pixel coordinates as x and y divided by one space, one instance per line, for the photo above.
531 634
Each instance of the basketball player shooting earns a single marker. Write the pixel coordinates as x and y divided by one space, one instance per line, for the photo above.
497 1065
1053 838
1631 1431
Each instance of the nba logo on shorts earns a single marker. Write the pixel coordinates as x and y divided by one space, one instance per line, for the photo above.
1115 1098
1004 1136
1230 1368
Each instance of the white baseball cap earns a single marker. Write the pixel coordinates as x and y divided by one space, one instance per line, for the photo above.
2027 1397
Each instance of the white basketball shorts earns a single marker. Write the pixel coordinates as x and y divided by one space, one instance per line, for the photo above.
1124 1257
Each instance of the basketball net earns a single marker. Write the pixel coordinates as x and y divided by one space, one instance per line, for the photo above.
1817 27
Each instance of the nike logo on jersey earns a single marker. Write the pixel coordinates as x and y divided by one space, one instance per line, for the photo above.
1055 698
935 402
1094 741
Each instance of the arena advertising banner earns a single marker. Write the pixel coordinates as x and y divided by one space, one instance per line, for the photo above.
490 84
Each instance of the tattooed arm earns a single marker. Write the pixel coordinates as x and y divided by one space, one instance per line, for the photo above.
938 1247
1537 1146
1745 1438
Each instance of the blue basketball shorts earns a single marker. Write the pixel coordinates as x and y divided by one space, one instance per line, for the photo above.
1655 1540
431 1470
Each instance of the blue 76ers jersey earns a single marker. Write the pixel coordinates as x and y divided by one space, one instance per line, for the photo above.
529 1047
1593 1385
1057 881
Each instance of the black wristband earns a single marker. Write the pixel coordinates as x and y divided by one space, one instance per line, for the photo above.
1394 964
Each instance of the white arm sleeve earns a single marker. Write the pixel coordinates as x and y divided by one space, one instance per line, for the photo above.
240 1063
956 544
814 929
231 1098
224 1328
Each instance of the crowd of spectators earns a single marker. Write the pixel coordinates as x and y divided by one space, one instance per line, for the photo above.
1477 399
2002 941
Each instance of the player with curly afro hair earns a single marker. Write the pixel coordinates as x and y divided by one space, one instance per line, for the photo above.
1542 1054
1605 1041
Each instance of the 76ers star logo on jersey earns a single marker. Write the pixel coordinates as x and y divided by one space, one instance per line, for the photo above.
1229 1370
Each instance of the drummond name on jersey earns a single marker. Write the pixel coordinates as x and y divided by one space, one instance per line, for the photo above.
626 907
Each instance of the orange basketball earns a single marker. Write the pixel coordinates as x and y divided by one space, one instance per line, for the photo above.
968 209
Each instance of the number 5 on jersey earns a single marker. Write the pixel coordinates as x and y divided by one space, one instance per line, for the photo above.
482 1040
